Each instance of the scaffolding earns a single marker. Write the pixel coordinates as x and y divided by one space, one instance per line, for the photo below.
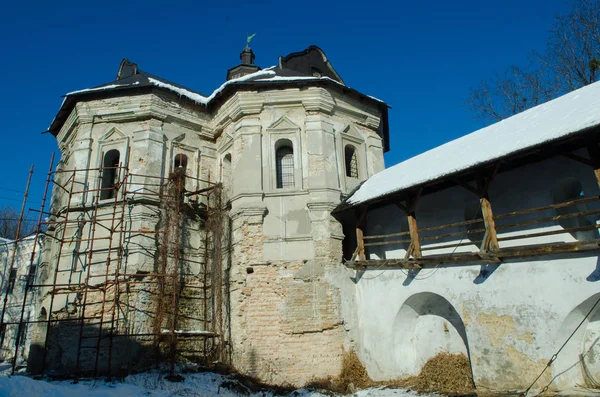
131 276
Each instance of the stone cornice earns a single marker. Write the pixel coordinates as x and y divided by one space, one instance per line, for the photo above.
320 101
112 113
314 100
322 206
360 116
255 211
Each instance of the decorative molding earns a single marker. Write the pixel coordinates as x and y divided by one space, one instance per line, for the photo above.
320 101
225 143
113 134
280 239
322 206
336 236
372 122
284 193
353 134
284 123
245 105
249 212
179 138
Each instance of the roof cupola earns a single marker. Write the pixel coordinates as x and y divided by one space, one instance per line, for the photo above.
247 66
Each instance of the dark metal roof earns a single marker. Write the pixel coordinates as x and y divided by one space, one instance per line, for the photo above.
310 61
133 80
136 79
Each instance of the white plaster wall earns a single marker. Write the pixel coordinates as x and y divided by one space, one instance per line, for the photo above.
512 319
515 315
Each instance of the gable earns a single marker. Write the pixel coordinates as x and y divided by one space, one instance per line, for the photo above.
311 62
351 131
284 123
113 134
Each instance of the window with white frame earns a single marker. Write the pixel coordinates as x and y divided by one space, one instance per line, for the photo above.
284 164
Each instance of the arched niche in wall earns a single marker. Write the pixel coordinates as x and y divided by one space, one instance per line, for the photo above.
568 189
412 347
578 363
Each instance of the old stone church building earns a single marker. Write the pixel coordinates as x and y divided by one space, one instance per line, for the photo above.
198 227
256 228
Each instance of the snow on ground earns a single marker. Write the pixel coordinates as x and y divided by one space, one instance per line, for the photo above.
552 120
205 384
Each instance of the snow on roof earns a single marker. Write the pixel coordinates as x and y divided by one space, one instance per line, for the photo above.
198 98
102 88
181 91
559 118
266 75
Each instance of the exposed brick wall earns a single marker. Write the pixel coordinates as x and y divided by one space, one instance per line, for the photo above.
286 330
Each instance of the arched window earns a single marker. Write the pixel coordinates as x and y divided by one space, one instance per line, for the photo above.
110 172
226 174
569 189
180 161
284 164
351 160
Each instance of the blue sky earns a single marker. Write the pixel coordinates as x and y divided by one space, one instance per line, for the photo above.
420 57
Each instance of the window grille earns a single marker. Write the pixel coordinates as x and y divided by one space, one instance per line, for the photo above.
285 167
351 162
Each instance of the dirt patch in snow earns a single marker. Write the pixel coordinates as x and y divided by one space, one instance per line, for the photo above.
353 377
444 373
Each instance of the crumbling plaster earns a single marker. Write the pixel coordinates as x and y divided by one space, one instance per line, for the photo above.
283 240
514 316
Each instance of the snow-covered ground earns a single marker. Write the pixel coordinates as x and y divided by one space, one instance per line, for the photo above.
205 384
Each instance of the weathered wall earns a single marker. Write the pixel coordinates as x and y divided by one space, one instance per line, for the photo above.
286 320
509 319
125 234
13 289
283 316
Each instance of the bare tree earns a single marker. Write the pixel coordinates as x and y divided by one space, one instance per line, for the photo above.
571 61
510 93
9 220
574 46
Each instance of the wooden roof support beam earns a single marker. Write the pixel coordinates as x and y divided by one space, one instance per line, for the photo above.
360 241
594 152
409 209
415 244
579 158
360 247
490 239
468 187
483 182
